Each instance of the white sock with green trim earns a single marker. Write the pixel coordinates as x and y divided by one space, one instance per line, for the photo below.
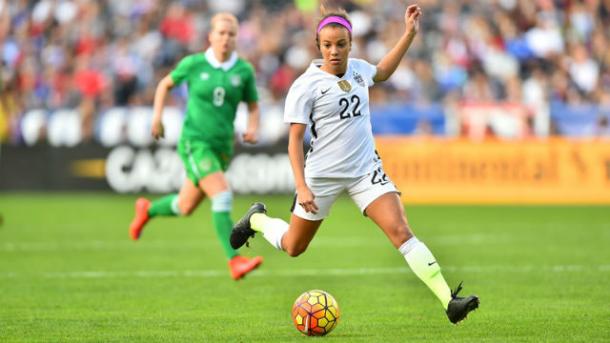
424 265
175 207
273 229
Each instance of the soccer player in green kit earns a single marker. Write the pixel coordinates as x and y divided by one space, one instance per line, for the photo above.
218 80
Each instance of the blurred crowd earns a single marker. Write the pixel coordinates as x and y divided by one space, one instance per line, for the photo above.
95 55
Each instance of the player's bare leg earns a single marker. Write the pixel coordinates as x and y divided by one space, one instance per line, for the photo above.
189 198
294 238
300 233
216 187
388 213
183 203
214 184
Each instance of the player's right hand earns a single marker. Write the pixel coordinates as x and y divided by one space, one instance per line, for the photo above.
412 15
305 199
157 130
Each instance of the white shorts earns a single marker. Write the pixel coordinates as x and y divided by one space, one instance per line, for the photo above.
363 190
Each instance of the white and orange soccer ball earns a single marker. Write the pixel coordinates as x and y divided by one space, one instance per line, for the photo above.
315 313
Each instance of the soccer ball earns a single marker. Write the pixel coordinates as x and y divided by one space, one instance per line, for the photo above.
315 313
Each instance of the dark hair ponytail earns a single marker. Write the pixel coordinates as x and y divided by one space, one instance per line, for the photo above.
326 12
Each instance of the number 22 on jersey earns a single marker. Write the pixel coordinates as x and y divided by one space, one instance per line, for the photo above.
347 104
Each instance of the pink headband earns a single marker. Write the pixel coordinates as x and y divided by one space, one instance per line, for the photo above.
335 20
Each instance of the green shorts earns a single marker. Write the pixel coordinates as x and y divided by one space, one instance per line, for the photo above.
201 160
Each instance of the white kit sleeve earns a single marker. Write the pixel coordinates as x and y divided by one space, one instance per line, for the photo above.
299 102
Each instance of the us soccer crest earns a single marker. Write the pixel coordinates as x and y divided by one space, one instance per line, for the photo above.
235 80
359 79
345 86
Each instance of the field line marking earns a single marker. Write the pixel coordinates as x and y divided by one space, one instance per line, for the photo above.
113 245
211 273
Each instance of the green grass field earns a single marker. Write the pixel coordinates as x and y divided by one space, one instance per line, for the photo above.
68 272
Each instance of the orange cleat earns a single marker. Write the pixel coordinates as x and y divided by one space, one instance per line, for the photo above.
140 219
240 266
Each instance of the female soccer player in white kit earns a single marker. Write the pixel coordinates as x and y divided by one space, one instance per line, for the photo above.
332 97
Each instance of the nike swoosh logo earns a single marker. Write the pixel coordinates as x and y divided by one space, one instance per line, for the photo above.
431 263
325 91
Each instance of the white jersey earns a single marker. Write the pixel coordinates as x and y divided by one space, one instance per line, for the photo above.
337 110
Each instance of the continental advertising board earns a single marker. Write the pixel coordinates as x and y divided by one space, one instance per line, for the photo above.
551 171
554 171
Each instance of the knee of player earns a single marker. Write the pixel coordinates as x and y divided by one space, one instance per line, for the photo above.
186 209
222 202
295 250
400 234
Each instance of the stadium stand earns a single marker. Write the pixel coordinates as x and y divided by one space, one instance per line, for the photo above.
553 57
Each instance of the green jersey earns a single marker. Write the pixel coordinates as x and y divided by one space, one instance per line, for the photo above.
214 94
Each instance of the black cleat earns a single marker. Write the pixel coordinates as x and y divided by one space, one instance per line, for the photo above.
242 230
459 307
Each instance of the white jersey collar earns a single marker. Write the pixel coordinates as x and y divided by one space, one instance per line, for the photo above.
318 62
228 64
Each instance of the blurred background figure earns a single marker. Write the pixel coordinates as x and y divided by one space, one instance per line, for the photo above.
218 80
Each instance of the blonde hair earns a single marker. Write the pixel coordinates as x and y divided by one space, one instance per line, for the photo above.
226 16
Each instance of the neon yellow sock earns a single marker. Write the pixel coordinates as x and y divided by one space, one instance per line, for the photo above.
425 266
257 221
273 229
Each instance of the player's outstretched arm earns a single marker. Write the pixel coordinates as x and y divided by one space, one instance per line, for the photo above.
305 197
162 89
251 134
390 62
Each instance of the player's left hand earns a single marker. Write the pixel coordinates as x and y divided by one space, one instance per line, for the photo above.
250 136
157 129
412 15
